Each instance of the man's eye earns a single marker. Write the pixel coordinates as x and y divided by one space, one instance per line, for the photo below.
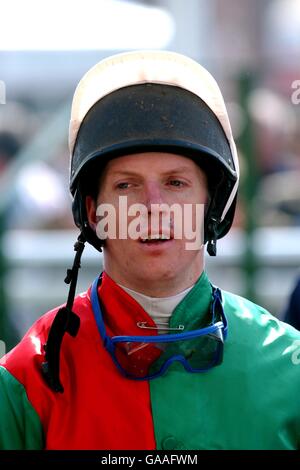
176 183
123 185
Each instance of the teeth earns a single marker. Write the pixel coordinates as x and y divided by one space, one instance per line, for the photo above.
156 237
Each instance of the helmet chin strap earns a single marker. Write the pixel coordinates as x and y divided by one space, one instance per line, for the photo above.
212 237
212 247
65 321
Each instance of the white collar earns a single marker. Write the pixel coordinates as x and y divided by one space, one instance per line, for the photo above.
160 309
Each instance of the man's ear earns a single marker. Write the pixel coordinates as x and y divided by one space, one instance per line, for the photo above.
91 208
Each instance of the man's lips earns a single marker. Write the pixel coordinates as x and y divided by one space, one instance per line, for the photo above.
156 242
156 237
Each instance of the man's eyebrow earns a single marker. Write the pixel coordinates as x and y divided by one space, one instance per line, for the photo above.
172 171
180 169
124 173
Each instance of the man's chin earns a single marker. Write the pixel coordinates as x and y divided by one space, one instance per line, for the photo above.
156 274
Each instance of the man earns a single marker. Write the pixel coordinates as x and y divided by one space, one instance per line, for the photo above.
152 356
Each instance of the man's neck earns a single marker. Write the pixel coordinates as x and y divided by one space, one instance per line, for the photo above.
158 288
159 280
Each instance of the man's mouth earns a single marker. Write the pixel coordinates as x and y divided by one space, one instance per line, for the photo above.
155 239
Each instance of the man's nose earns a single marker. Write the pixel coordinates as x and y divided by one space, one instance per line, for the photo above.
152 194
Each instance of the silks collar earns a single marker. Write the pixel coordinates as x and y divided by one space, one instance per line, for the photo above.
147 356
122 313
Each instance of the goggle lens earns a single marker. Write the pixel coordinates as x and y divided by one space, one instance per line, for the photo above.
145 360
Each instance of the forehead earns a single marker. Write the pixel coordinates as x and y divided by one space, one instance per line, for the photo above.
152 162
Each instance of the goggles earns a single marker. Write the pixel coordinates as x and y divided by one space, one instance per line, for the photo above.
148 357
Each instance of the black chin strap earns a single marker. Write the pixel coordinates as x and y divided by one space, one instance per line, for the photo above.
212 237
65 321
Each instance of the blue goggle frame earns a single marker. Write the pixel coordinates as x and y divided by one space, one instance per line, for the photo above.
217 331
